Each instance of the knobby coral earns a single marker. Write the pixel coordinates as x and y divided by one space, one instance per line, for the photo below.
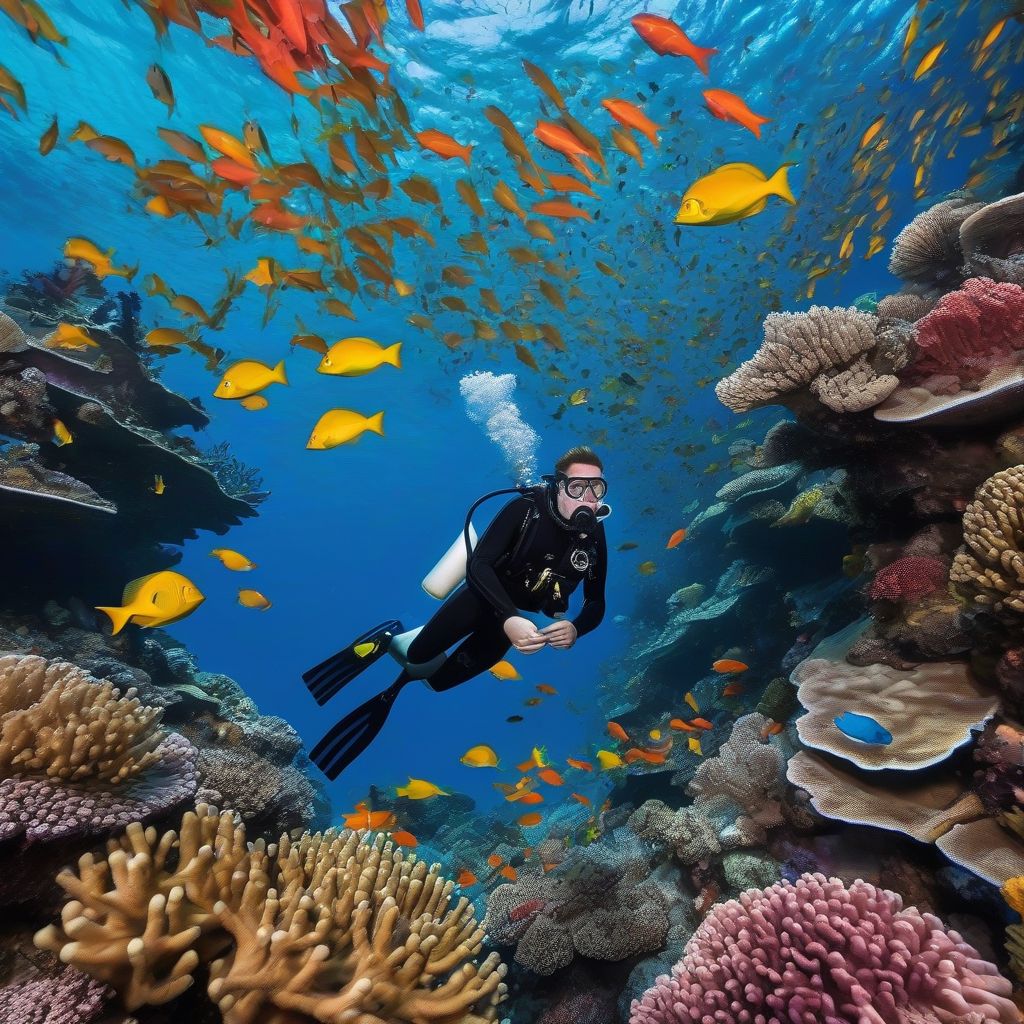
829 351
817 952
991 569
328 928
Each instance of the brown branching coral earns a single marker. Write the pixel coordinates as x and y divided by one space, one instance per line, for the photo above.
827 351
928 248
991 569
329 928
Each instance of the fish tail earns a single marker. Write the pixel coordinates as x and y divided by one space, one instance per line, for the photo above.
279 374
376 424
778 183
119 617
701 56
130 272
756 123
466 154
393 355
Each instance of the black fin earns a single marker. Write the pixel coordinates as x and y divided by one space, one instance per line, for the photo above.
327 678
354 733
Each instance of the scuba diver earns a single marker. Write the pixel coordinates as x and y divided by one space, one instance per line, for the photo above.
535 553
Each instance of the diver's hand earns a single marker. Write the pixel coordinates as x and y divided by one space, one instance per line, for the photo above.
523 634
560 634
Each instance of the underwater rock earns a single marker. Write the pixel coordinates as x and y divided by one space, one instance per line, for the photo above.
887 953
831 354
992 240
928 249
218 917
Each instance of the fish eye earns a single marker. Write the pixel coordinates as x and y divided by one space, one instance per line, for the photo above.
691 206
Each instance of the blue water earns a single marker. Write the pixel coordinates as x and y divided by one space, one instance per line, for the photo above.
347 535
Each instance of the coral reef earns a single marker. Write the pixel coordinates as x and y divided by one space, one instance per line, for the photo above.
819 950
324 927
928 249
992 239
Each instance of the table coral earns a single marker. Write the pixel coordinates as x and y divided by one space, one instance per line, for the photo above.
818 951
991 569
328 927
826 351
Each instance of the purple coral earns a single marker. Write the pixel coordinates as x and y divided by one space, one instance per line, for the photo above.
817 952
72 997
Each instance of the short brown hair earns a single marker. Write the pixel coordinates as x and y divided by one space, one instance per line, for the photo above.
581 453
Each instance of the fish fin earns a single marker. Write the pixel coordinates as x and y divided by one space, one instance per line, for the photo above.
701 57
749 168
778 183
393 355
132 271
119 617
279 374
376 424
131 590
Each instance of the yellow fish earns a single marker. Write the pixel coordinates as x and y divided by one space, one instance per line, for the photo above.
689 698
155 600
61 434
480 756
646 568
419 789
254 403
248 376
694 744
732 192
71 337
504 670
253 599
352 357
342 426
83 249
929 59
158 484
233 560
609 760
579 396
167 337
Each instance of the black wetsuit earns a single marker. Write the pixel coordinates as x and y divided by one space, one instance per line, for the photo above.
506 574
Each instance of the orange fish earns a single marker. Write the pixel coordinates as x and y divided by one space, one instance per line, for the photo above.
567 183
632 116
727 106
584 766
667 39
508 872
550 776
561 140
582 799
404 839
771 728
415 9
494 860
617 732
544 688
727 665
680 725
635 754
363 817
676 539
732 690
701 723
443 145
467 877
531 818
528 798
559 208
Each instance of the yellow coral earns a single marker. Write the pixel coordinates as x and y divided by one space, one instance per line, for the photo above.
330 927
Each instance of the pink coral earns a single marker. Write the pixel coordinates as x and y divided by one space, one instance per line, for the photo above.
909 579
71 997
970 332
817 952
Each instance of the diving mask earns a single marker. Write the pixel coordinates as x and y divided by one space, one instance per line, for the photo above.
577 486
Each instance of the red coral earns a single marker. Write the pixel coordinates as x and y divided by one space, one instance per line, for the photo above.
909 579
970 331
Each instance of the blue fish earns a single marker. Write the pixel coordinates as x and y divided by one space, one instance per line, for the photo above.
862 727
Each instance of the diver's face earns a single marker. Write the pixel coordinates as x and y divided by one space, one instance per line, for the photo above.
567 505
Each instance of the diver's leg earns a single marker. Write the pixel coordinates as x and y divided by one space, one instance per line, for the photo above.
482 649
327 678
459 616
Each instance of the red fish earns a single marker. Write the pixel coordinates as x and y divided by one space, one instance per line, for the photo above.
676 539
632 116
727 106
666 38
444 145
617 732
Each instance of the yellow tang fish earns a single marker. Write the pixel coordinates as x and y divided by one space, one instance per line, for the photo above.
689 698
419 789
167 337
342 426
254 403
352 357
253 599
609 760
732 192
71 337
694 744
155 600
83 249
480 756
504 670
61 434
232 560
248 376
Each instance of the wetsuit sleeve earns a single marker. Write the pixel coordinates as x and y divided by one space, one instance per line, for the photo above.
498 538
592 612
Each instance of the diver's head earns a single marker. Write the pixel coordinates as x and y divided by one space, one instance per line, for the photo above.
580 488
